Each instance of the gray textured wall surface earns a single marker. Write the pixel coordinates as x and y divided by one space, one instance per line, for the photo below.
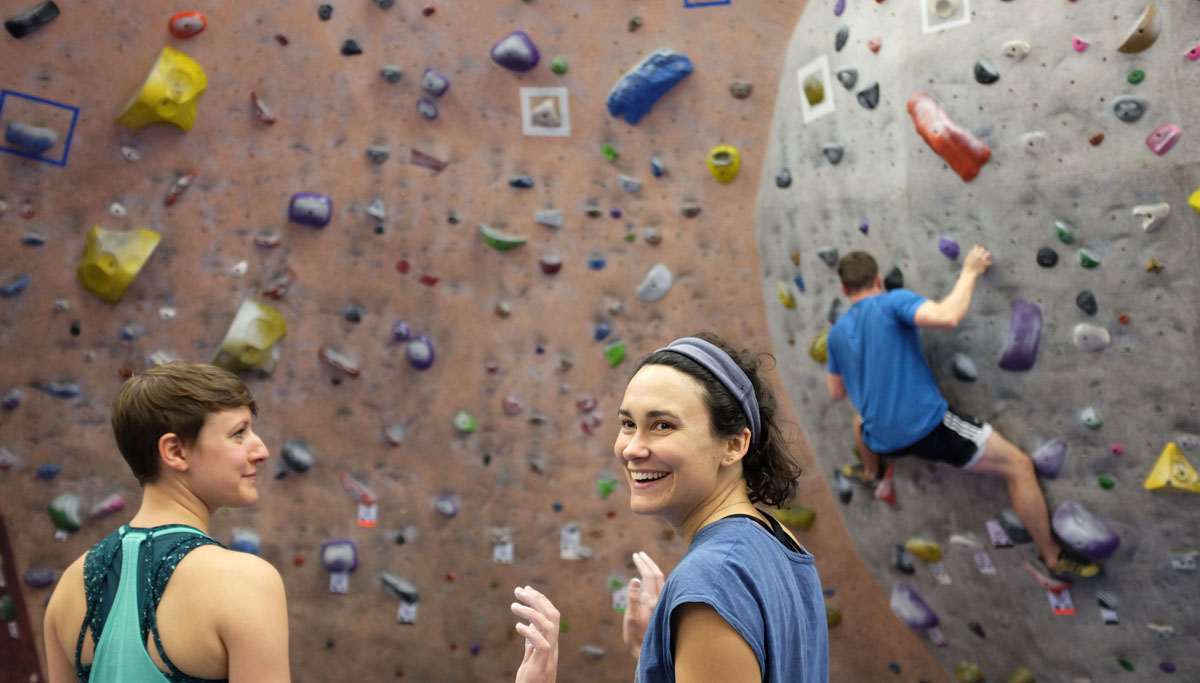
1143 384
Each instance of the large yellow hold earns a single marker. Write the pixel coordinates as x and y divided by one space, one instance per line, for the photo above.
1194 200
724 163
113 258
924 549
1173 472
169 94
251 342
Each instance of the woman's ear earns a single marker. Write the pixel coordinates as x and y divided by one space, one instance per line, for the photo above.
172 452
736 447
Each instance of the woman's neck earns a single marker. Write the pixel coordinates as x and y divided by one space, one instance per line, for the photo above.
731 500
168 502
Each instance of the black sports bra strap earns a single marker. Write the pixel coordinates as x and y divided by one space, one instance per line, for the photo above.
774 528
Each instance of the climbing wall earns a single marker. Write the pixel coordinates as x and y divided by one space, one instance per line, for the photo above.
505 437
1085 190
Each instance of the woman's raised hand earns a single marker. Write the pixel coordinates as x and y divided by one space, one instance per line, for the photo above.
540 664
643 596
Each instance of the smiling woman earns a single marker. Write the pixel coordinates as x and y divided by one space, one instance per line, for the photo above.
699 446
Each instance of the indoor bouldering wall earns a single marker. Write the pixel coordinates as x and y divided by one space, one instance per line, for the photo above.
427 264
1049 132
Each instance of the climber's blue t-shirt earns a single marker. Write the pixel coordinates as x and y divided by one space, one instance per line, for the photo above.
876 348
767 593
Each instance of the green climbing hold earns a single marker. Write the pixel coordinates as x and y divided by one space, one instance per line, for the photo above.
1064 232
1125 663
606 487
1107 482
1136 76
8 609
609 152
558 65
495 583
797 516
64 512
1091 419
615 353
499 240
631 237
563 627
833 616
464 423
1087 260
968 672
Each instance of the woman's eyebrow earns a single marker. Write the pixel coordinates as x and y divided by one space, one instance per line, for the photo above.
650 413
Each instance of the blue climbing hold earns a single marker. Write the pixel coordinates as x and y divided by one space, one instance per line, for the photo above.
800 283
642 86
32 240
48 471
61 389
524 181
16 287
557 507
894 667
656 167
596 262
603 329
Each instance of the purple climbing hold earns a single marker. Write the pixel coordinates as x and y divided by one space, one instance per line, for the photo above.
39 577
910 608
863 227
434 83
1083 531
1024 333
515 51
48 471
401 332
839 7
311 209
1166 667
339 555
420 352
11 399
1048 459
948 247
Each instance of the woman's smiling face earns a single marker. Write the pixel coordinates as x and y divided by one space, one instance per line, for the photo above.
672 459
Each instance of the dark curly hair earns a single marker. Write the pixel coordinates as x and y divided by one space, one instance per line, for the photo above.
770 471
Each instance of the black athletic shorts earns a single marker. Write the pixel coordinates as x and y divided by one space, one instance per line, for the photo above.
958 440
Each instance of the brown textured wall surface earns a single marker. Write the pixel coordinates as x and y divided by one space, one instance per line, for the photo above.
329 108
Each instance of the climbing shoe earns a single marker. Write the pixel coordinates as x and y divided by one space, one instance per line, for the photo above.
1071 566
856 473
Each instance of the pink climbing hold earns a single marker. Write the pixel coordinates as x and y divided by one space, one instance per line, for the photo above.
1079 44
1162 139
1194 53
1116 449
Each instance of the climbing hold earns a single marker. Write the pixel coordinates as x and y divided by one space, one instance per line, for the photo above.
516 52
839 7
944 9
1144 32
1116 449
550 264
250 342
968 672
1152 215
1016 49
11 399
797 516
502 309
902 561
324 12
1087 259
427 108
245 541
112 259
1083 531
596 262
297 455
785 295
48 471
690 210
635 93
848 78
187 24
1162 139
614 353
1096 139
985 72
1090 418
523 181
963 368
463 422
65 512
814 90
1125 663
799 280
551 218
1106 482
1153 266
377 209
1090 337
33 139
910 608
377 154
783 178
30 20
558 65
1123 318
419 351
311 209
843 486
1021 675
962 151
498 240
1079 44
1063 232
351 47
168 95
1129 108
835 311
833 616
1172 472
1166 667
833 152
817 349
39 577
1024 333
724 163
869 96
601 331
829 255
1136 76
61 389
447 505
401 332
924 549
657 167
1033 141
655 285
874 44
840 38
948 247
1049 458
741 89
629 185
15 287
434 83
893 280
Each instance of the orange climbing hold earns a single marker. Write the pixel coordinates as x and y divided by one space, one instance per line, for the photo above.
965 153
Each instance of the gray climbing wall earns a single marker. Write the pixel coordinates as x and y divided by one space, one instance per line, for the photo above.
1143 385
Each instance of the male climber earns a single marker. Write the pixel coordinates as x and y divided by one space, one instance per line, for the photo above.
875 356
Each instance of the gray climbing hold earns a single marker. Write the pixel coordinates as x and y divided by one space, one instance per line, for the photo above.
391 74
902 560
848 78
1047 257
1086 301
829 255
1152 215
516 52
655 285
297 455
963 368
427 108
843 486
377 154
835 311
523 181
1083 531
985 72
630 185
552 218
741 89
783 178
869 96
1090 337
839 40
894 279
1049 458
833 152
1012 526
1129 108
592 651
434 82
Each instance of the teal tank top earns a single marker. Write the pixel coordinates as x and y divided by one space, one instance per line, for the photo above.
124 577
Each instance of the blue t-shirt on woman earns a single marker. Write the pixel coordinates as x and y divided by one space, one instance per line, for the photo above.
767 593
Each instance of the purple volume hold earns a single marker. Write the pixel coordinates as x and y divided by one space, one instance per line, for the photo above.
311 209
1024 333
1084 531
910 608
516 51
1048 459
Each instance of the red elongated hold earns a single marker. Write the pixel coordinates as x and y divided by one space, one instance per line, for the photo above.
965 153
187 24
281 39
264 114
429 280
432 163
177 189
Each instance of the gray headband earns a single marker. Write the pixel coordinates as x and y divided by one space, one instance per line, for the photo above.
717 362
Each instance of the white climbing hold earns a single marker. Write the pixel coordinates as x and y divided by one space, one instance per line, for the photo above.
1016 49
239 269
166 313
1091 337
945 8
1152 215
655 285
552 218
630 185
1033 141
117 210
545 113
377 209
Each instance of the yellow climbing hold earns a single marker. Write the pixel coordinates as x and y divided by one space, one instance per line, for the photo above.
1173 472
816 348
1021 675
250 343
723 163
1194 200
923 549
968 672
112 258
168 95
833 617
796 516
785 295
814 90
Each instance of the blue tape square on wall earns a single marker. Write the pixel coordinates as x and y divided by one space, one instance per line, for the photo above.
4 95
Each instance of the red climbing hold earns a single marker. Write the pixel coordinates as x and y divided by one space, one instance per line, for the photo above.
187 24
963 151
403 266
429 280
260 108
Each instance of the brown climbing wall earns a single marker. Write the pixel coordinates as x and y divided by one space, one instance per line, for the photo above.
514 469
